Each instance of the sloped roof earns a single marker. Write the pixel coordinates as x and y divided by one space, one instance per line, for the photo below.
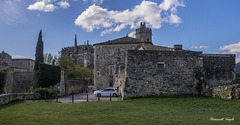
4 54
123 40
154 47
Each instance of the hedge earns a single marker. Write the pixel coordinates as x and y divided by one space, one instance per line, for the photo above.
48 75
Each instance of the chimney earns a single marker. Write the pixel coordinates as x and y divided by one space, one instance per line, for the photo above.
178 47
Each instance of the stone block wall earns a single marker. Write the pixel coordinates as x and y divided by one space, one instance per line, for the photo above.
152 73
19 82
75 85
219 69
6 98
227 91
114 56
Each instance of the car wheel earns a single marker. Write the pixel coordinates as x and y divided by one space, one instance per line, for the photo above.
114 95
98 95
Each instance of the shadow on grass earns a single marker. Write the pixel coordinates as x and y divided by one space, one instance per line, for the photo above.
11 104
173 97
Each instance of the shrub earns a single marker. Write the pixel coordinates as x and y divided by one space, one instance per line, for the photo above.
50 93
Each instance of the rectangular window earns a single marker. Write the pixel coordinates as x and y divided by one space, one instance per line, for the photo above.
111 70
160 65
97 57
105 55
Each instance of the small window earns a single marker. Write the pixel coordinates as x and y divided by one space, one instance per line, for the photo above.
111 70
105 55
97 57
160 65
98 74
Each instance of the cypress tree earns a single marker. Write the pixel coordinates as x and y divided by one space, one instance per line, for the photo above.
39 52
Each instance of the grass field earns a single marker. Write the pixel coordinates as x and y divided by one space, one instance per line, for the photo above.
144 111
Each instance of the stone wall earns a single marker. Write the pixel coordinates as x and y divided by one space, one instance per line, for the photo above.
154 73
115 56
19 82
6 98
219 69
151 73
27 64
227 91
75 85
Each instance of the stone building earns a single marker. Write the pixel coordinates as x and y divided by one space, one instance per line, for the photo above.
82 55
138 68
26 65
20 76
15 65
5 61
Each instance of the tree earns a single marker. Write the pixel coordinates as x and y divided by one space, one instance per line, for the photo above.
39 52
72 70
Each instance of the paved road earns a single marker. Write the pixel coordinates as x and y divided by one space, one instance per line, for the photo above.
82 97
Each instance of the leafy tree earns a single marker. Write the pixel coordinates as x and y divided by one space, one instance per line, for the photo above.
39 52
72 70
65 62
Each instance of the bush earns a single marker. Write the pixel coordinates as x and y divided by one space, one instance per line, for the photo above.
48 75
50 93
2 81
78 72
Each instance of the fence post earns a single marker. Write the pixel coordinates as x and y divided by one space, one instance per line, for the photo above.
57 96
98 98
45 96
87 97
110 97
72 98
34 96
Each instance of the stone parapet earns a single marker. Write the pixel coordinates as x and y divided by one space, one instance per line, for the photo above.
6 98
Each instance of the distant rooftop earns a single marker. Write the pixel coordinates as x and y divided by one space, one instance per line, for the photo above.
123 40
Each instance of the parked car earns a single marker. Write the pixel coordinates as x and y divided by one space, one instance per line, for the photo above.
106 92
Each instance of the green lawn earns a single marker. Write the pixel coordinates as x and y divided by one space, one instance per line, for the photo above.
144 111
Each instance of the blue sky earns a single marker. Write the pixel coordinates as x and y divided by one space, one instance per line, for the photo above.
211 26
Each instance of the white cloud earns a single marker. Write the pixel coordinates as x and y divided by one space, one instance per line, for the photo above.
10 11
97 1
171 5
232 49
18 56
203 47
132 34
96 17
64 4
195 47
108 31
43 5
200 47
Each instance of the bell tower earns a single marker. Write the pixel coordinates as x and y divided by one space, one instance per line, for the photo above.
144 34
